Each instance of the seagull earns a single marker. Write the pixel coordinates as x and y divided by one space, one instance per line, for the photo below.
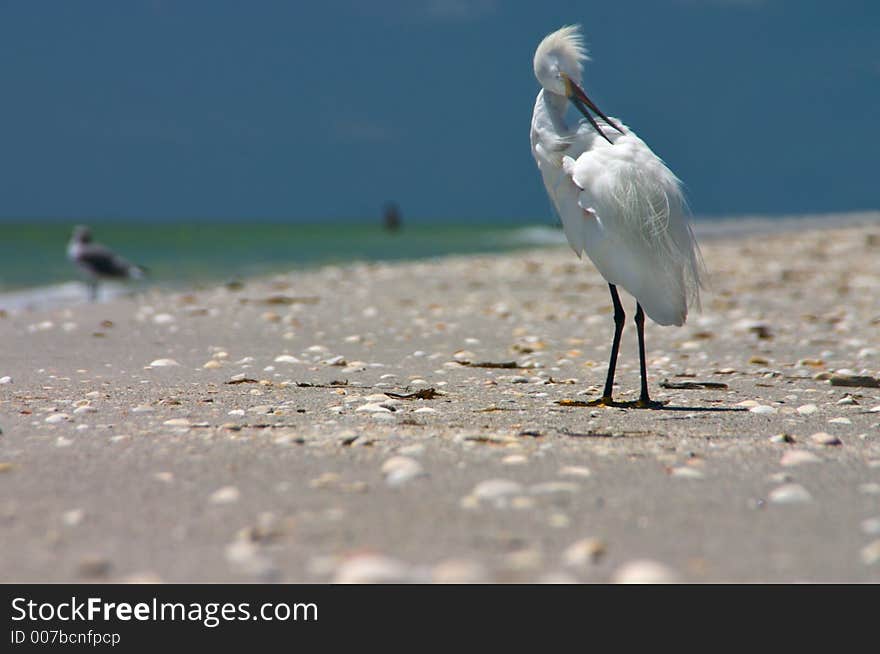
618 202
99 262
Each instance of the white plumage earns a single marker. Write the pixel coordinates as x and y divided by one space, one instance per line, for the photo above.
617 200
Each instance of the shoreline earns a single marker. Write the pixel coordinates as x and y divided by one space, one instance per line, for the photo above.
533 237
266 432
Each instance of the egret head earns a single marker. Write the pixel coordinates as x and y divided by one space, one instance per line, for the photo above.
559 67
559 56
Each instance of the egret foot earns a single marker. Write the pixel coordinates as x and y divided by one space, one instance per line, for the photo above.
631 404
607 402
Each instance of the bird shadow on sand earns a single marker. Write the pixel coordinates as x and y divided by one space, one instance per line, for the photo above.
701 409
655 406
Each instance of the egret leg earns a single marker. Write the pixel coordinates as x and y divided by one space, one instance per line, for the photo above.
619 318
93 290
644 400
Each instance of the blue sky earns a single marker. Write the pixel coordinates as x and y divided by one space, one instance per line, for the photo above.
325 110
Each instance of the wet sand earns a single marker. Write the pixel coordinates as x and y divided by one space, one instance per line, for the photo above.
266 432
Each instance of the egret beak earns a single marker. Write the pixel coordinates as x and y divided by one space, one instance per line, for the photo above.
580 100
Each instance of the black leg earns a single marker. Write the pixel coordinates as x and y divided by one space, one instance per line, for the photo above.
93 290
619 317
644 400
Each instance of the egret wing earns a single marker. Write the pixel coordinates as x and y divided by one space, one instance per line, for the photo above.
632 224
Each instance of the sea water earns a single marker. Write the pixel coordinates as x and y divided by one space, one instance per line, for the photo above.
34 269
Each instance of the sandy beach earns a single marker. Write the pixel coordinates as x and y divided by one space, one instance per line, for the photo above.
423 422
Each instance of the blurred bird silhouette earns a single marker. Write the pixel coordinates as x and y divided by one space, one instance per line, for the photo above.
392 217
99 262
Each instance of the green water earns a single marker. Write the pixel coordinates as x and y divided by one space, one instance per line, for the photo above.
35 254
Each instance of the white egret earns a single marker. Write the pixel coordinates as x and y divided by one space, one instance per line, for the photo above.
98 261
617 200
